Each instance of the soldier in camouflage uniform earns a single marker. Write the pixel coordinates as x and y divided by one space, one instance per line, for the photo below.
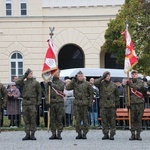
136 105
3 99
83 93
56 105
109 101
31 93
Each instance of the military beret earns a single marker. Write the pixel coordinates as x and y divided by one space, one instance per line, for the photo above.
29 70
106 73
134 71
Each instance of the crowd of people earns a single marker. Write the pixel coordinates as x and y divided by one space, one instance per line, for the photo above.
74 100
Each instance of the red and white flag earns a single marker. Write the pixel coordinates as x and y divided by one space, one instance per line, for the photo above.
50 63
130 56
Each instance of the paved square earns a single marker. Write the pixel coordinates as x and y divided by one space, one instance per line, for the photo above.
12 140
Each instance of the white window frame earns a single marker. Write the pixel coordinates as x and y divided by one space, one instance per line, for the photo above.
8 2
16 61
20 2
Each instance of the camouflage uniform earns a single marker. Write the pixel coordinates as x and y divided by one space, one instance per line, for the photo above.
3 99
109 101
57 107
83 93
31 93
136 108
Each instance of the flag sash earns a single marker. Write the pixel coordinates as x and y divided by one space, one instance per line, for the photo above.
137 93
59 92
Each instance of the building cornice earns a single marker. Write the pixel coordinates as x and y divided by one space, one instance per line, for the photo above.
80 3
57 18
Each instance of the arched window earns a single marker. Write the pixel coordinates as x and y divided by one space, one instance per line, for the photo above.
70 56
110 62
16 65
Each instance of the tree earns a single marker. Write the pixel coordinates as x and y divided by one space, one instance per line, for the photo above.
137 14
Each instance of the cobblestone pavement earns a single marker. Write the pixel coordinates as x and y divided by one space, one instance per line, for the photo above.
12 140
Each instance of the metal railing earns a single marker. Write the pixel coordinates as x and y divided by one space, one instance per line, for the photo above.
68 119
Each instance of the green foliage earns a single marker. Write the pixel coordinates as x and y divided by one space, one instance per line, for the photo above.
137 14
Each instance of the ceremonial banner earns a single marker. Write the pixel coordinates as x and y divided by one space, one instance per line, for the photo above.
130 56
50 62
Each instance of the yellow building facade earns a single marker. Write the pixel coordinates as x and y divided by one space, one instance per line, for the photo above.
24 30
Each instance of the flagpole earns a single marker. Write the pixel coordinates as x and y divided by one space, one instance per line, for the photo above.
48 115
49 88
129 99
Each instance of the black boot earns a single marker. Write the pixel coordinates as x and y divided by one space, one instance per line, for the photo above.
53 137
59 136
132 136
27 137
79 136
105 137
84 136
138 137
32 137
111 137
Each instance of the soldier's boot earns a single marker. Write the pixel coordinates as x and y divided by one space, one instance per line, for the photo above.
32 137
105 137
79 136
111 137
53 136
59 136
138 137
27 137
84 136
132 136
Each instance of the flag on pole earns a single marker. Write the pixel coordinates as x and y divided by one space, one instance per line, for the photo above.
50 62
130 56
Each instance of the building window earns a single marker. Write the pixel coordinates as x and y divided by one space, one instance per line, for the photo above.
23 7
8 7
16 65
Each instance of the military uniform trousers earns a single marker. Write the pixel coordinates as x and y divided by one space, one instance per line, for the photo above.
108 116
81 115
137 111
56 117
29 116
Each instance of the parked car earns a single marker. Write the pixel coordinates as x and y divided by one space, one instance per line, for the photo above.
93 72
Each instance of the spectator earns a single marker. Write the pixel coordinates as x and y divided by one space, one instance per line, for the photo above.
15 79
120 88
145 94
13 105
95 106
68 104
121 92
44 109
38 110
